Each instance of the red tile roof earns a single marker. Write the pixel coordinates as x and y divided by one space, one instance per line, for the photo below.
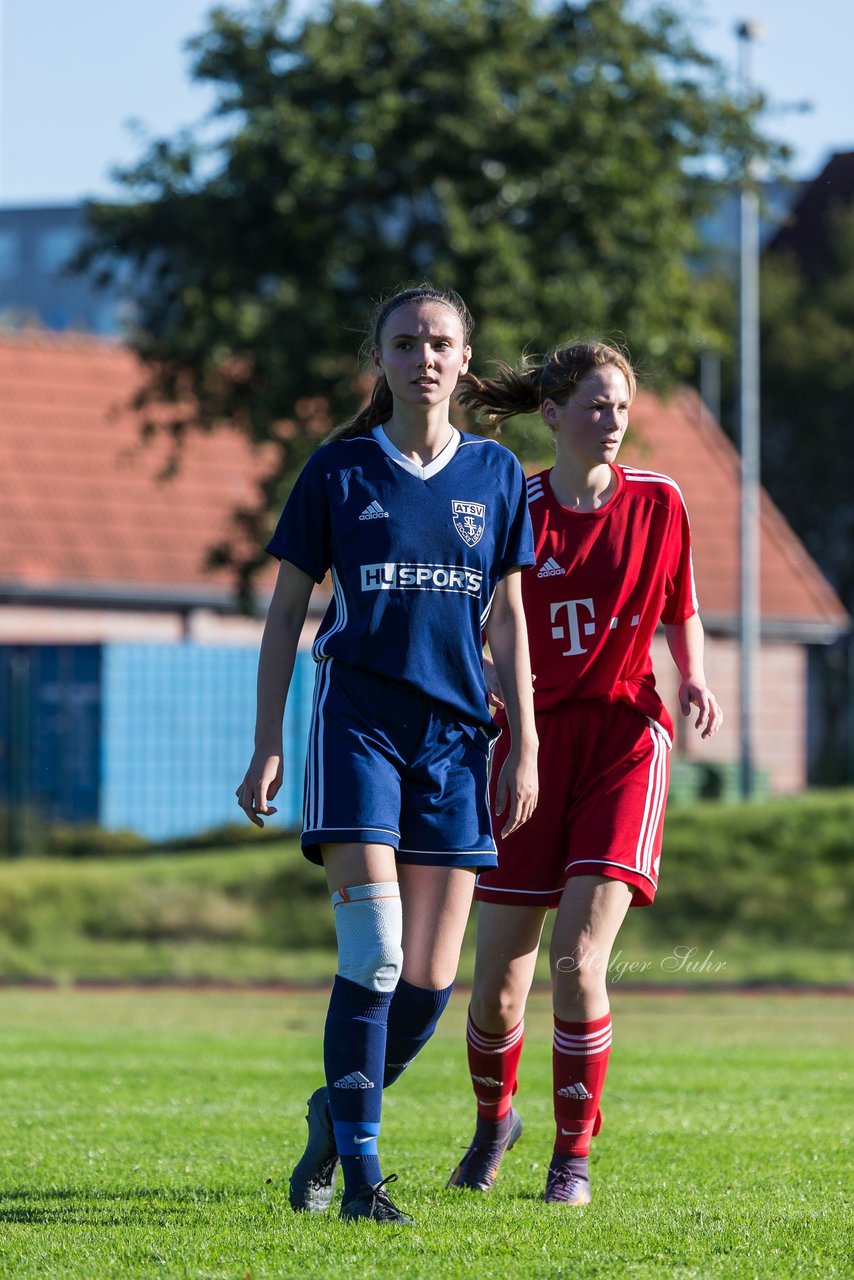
81 505
679 436
81 501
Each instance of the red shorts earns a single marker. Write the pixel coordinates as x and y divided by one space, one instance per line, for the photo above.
604 770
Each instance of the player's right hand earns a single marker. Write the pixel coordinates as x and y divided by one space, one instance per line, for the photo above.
493 688
262 781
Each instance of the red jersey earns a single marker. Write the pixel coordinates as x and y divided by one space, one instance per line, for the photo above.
601 583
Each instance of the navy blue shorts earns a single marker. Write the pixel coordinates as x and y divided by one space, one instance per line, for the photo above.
388 765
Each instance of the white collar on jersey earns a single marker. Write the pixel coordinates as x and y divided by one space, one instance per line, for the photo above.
415 469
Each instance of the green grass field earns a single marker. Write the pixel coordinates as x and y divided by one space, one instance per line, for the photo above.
150 1134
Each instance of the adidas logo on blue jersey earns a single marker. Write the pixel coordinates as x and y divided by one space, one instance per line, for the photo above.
373 511
355 1080
550 569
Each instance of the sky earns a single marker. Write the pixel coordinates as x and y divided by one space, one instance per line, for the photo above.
75 73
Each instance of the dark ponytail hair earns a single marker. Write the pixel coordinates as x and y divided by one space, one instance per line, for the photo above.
379 407
556 378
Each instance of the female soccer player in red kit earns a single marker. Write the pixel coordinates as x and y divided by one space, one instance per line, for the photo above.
613 559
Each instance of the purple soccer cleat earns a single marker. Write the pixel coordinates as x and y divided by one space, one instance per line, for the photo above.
568 1182
479 1167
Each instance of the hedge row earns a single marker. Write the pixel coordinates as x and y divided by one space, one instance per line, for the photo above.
771 872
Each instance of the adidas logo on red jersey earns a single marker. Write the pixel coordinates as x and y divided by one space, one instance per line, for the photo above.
550 569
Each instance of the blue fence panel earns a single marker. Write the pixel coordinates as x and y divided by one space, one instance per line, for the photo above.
50 711
177 731
295 740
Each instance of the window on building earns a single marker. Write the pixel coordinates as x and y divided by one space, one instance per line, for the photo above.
55 248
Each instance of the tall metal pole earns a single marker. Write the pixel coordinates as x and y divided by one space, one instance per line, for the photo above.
2 119
749 605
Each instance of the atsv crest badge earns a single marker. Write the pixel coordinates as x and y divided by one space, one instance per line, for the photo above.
469 521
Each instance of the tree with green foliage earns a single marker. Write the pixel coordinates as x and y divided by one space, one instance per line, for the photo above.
550 162
807 335
807 392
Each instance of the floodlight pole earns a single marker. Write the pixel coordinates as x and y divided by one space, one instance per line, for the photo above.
748 417
2 120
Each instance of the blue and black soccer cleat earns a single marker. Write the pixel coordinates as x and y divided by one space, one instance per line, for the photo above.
374 1204
312 1183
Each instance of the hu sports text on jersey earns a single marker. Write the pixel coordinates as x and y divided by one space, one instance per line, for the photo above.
421 577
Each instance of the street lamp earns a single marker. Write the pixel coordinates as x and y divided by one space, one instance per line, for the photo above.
748 420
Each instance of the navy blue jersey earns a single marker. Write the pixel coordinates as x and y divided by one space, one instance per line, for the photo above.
415 554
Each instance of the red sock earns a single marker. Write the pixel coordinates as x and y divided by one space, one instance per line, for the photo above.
579 1062
493 1063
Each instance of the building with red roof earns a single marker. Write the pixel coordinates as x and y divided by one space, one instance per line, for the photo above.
98 546
99 539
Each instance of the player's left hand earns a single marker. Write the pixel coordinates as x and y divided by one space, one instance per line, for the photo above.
517 786
709 715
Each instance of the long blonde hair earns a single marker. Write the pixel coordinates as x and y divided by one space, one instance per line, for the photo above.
379 407
556 378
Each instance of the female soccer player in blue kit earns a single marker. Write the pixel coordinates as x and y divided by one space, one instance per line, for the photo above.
423 529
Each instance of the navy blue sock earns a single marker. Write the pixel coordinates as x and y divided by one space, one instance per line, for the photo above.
412 1020
353 1057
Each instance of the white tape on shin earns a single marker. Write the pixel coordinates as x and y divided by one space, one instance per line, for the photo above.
369 925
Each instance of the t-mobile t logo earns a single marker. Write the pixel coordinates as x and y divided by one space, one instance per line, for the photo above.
572 624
